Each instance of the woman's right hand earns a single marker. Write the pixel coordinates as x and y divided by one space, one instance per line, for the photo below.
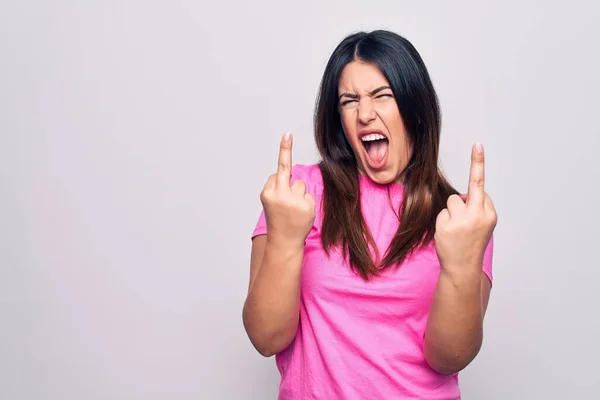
289 209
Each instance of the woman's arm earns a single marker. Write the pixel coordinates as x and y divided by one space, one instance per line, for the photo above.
271 310
455 327
463 232
272 307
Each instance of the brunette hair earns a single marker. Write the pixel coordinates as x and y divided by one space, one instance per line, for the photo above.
425 188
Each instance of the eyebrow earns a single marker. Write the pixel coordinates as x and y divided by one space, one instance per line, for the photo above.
372 93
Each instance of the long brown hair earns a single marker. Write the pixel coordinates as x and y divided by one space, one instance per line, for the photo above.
425 188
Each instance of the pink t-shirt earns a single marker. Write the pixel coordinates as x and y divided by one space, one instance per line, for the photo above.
363 340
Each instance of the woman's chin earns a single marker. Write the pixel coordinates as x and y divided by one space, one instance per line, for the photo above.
383 180
382 176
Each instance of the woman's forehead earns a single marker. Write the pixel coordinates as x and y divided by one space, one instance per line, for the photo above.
361 76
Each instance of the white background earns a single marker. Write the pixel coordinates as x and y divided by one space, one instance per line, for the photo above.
135 137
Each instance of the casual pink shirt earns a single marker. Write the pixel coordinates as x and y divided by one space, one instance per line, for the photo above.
363 340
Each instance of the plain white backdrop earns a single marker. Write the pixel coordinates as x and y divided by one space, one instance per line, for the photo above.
135 137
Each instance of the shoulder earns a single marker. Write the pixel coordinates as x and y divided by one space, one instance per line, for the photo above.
309 173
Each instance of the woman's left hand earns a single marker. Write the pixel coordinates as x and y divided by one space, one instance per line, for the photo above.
464 228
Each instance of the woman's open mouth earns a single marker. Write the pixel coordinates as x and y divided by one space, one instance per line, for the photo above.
376 149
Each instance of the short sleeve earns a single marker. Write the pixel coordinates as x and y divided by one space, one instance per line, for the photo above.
488 258
261 225
299 171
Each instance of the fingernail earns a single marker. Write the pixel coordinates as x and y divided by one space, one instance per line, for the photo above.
287 136
478 147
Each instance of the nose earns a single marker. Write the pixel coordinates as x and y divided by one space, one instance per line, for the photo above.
366 111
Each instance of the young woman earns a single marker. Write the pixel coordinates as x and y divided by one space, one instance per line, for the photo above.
370 274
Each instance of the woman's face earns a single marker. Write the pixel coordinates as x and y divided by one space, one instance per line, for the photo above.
372 123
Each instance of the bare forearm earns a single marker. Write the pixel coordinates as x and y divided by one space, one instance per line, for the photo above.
271 311
454 329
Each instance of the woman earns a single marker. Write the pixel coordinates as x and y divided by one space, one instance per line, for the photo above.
370 274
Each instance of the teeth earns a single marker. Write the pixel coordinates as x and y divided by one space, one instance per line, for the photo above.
371 137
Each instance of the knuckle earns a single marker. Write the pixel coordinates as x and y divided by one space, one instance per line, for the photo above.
477 181
452 199
270 182
266 194
264 197
443 215
285 145
299 183
477 157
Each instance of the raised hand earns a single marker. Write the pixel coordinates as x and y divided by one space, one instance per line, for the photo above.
289 209
464 228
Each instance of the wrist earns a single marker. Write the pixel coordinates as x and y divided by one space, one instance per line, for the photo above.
462 276
464 267
283 245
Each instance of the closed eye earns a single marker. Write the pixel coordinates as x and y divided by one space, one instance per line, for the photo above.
346 102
